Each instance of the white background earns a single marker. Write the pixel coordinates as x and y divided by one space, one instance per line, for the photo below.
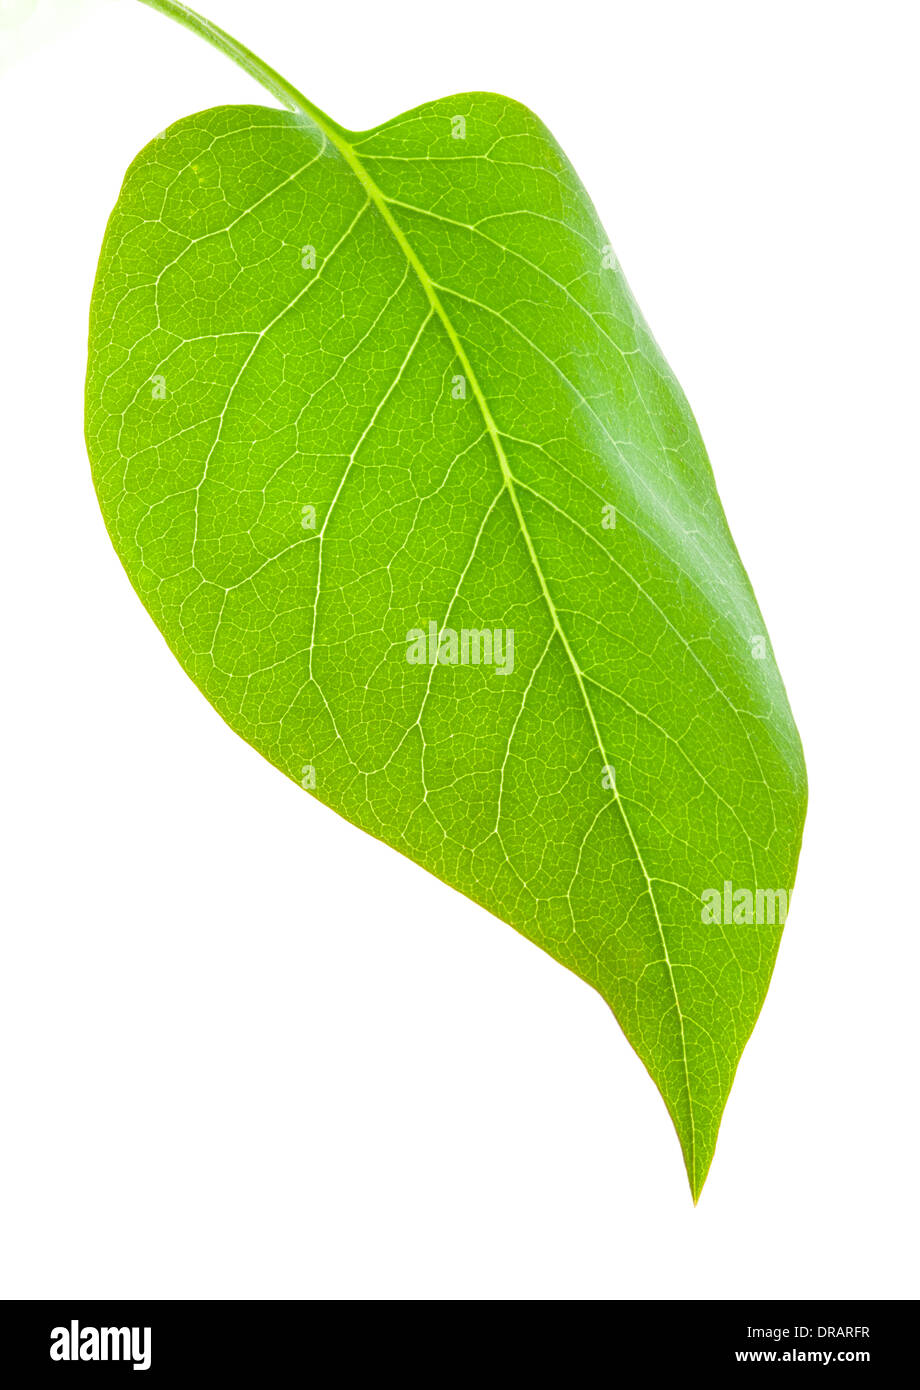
248 1051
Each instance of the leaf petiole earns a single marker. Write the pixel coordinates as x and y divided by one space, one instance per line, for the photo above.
244 58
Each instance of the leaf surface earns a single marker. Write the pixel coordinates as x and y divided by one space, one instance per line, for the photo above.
344 387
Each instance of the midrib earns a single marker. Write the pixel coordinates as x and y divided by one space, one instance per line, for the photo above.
380 201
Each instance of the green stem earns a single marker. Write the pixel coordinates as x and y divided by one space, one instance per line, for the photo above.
225 43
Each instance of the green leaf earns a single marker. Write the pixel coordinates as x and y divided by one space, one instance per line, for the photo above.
348 390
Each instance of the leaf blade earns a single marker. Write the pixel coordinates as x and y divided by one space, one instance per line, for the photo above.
623 637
